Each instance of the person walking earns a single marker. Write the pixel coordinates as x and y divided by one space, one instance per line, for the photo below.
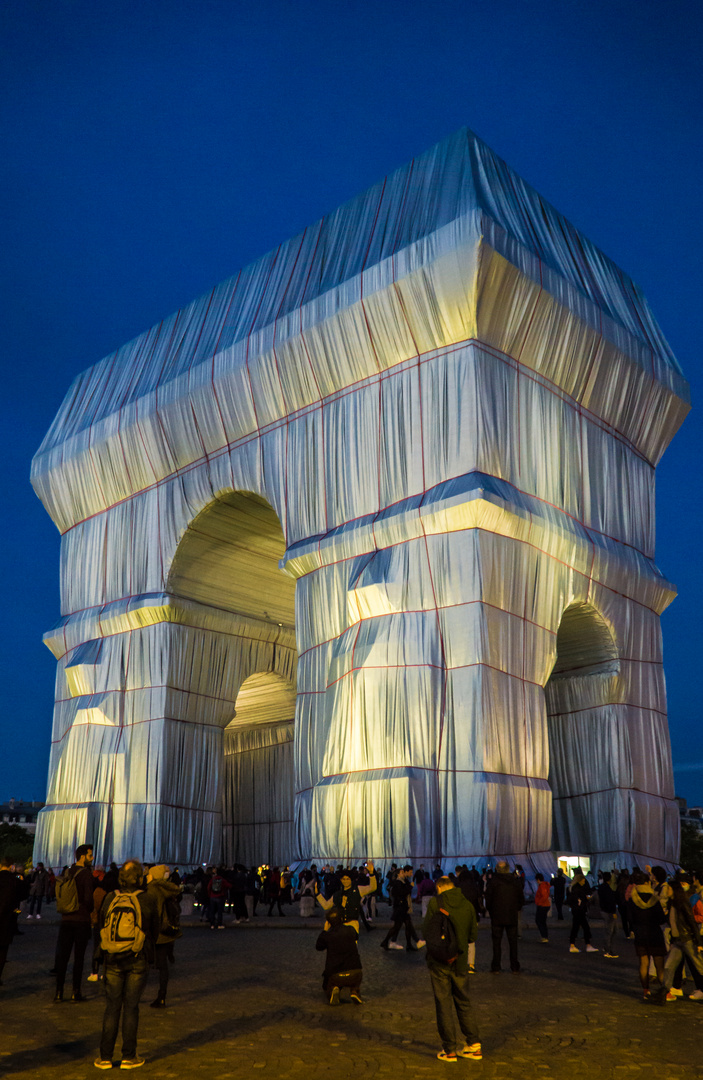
74 902
129 924
166 896
401 888
542 906
448 965
608 900
579 896
343 963
686 939
39 884
504 900
9 902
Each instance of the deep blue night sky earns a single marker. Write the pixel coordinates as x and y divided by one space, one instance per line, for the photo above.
151 149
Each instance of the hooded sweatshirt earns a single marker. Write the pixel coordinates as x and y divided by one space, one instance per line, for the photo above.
463 918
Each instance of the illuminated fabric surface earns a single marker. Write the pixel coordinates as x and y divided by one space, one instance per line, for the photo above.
441 409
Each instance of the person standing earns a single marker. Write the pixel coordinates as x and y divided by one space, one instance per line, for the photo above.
558 884
504 900
9 902
542 906
579 896
449 974
74 902
167 897
347 899
425 891
401 888
129 923
608 900
217 888
37 890
646 917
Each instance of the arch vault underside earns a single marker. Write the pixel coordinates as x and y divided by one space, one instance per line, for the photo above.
357 551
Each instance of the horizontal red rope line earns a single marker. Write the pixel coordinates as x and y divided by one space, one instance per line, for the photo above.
427 357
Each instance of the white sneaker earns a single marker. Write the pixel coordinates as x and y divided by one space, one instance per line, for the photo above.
39 916
30 916
591 948
574 948
697 995
676 993
395 945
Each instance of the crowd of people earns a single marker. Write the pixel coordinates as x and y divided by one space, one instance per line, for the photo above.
130 917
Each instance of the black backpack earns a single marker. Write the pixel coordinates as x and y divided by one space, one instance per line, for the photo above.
171 917
441 939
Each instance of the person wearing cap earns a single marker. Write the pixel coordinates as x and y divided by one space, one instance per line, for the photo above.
348 898
167 898
343 964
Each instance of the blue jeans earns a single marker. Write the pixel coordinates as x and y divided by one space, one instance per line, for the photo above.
125 979
217 910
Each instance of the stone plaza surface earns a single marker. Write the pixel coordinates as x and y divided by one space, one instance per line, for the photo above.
248 999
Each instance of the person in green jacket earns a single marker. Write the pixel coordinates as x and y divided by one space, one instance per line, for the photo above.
450 980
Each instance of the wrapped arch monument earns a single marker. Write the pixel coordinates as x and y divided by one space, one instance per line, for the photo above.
358 549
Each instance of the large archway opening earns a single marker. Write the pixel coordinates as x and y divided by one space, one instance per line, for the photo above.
584 755
228 558
258 778
228 562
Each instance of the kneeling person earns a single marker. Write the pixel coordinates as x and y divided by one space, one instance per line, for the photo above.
448 927
343 965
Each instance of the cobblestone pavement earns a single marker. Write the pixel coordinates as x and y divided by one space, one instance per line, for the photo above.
249 998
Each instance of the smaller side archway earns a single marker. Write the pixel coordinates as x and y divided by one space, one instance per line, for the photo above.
589 759
258 773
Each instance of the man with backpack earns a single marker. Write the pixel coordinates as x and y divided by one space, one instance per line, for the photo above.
129 928
167 897
217 888
448 928
74 903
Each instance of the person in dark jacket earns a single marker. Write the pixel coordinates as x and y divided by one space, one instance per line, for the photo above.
343 964
504 899
348 897
558 884
450 979
686 939
9 902
38 888
167 897
400 892
646 917
608 900
126 972
579 896
74 931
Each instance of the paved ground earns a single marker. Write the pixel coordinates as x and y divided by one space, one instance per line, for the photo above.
249 998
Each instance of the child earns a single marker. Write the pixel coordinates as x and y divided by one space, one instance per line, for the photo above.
343 965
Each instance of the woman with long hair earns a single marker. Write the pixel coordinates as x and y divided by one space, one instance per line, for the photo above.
686 941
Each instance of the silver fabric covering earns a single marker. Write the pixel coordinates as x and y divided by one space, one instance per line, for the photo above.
403 464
